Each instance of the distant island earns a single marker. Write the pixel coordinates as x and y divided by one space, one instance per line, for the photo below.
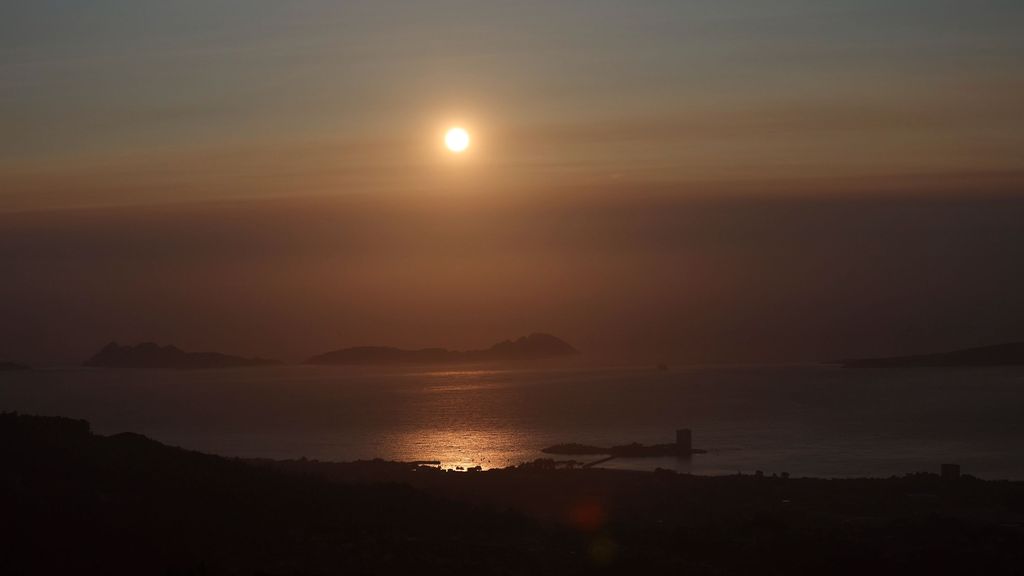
1009 354
682 448
12 366
632 450
536 346
150 355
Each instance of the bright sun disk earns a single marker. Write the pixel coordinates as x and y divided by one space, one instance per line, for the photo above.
457 140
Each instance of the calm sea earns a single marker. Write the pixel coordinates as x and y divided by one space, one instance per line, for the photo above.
805 420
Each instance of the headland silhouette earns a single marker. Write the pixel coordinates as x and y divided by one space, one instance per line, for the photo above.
150 355
536 346
1008 354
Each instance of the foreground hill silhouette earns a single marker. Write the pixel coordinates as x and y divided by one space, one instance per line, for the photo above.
533 347
150 355
1010 354
78 503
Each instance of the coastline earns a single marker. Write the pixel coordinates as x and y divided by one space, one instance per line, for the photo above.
125 504
810 421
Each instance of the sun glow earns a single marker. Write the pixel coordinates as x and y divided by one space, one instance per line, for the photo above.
456 140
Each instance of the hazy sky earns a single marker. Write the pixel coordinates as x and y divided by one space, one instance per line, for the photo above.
136 101
702 180
648 275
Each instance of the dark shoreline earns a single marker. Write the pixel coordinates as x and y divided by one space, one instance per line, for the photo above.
996 355
76 502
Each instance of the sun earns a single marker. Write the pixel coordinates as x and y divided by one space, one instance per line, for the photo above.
457 140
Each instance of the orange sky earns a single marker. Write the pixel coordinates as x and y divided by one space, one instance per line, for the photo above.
703 181
141 102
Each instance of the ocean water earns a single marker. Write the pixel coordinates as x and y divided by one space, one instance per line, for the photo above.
805 420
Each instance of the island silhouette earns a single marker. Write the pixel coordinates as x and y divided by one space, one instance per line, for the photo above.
1007 354
12 366
151 355
681 448
536 346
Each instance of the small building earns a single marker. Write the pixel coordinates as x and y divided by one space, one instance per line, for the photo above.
684 442
950 471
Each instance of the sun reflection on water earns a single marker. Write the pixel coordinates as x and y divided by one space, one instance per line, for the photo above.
459 373
457 449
